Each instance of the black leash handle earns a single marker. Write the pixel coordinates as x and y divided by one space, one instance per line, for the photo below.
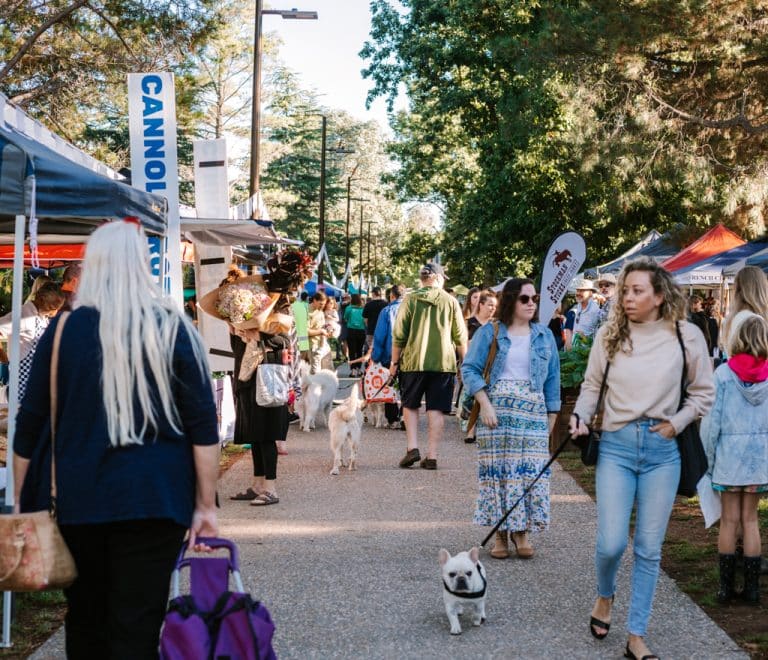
558 451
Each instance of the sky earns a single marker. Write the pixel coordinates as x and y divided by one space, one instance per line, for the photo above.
325 52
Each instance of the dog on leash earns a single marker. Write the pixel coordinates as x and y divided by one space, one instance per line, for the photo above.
374 414
317 393
346 425
464 586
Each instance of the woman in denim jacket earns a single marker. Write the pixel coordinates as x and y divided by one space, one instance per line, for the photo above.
735 435
518 408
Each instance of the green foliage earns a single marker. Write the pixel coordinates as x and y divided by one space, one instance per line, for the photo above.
573 363
611 118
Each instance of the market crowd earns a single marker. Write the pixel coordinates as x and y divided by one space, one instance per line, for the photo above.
493 359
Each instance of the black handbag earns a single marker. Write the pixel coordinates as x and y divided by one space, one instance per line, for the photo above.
693 458
590 444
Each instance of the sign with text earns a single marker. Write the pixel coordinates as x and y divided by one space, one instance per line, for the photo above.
562 262
154 162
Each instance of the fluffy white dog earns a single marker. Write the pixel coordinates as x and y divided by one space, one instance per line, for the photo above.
317 393
346 425
374 414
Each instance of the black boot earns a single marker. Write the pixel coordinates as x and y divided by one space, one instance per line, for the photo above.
764 566
727 576
751 593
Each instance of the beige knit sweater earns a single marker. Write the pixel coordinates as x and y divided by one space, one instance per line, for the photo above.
646 383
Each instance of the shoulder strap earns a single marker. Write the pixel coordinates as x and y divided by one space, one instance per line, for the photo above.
603 387
54 392
491 352
685 364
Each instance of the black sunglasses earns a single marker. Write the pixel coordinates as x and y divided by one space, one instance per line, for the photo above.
525 298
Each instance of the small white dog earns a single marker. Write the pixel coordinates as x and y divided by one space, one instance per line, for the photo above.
317 393
464 585
346 425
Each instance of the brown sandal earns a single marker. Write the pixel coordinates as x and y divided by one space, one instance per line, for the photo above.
265 498
247 495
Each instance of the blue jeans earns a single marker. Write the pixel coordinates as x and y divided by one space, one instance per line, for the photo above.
635 465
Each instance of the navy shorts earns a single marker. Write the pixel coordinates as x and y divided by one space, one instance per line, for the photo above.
435 386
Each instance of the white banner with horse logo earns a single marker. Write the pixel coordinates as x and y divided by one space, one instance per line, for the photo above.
562 262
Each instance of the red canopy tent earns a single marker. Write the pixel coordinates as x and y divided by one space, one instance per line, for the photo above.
716 240
50 256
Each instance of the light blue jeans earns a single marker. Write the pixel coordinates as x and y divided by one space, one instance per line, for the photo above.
635 466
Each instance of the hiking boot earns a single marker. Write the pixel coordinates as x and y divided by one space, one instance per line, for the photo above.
428 464
500 548
412 456
751 592
727 576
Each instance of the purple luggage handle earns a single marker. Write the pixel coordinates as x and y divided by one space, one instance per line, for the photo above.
214 543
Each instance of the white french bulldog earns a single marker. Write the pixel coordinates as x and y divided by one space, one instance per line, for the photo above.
464 585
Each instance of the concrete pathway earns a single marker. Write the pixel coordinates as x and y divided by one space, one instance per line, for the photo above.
348 565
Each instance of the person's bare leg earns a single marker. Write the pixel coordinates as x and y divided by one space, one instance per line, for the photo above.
411 418
436 424
270 486
749 522
729 521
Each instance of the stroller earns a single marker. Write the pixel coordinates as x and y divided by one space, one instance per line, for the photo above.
212 622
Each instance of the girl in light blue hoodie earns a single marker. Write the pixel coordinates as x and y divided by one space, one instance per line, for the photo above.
735 435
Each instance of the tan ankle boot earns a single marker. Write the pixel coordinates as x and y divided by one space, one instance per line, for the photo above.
522 545
500 548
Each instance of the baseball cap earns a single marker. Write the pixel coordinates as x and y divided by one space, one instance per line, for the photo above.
432 269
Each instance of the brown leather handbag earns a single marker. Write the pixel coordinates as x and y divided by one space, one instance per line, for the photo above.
33 554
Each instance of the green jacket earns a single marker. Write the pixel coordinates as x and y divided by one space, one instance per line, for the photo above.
301 316
428 328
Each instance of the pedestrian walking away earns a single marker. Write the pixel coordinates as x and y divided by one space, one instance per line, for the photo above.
518 409
639 462
428 335
735 435
136 446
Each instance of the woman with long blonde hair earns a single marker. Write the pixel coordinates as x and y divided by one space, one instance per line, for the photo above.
136 445
750 296
639 355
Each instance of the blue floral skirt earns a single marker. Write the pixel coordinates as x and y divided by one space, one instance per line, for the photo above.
510 456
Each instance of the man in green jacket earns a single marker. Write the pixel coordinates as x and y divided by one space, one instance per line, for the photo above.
429 332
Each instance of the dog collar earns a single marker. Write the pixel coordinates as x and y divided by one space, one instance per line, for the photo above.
474 594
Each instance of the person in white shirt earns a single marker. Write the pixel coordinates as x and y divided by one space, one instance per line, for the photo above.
587 310
35 316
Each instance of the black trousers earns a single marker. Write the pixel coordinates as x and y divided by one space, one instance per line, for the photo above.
264 456
355 341
117 604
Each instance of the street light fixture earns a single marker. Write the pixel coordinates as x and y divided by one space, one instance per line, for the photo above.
294 13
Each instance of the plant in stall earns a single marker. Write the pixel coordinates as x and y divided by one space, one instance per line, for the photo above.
573 364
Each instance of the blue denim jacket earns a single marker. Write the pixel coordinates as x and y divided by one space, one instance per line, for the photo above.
545 361
735 433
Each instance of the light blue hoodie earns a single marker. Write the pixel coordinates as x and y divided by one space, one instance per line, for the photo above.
735 433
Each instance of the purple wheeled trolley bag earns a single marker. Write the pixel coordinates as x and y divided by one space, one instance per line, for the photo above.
211 622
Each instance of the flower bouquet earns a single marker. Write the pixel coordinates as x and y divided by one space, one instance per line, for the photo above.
245 302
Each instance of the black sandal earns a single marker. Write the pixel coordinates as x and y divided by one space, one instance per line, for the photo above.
246 496
596 623
628 654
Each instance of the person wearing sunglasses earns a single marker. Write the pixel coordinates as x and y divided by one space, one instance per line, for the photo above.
518 409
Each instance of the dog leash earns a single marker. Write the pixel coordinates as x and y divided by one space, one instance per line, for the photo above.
558 451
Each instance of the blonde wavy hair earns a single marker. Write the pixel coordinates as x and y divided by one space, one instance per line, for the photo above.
673 308
750 292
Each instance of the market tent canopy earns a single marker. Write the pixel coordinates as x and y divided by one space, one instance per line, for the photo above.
712 272
65 196
231 232
311 288
638 249
716 240
759 259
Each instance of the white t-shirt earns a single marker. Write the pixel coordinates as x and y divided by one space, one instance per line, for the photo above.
517 366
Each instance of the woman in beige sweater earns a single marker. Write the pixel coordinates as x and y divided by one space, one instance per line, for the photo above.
639 462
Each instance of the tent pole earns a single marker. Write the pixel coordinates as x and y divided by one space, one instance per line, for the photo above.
13 392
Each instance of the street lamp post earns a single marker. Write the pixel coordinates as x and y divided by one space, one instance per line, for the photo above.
349 202
362 201
293 14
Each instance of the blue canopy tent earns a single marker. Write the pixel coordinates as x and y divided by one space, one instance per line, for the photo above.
759 259
656 247
68 198
714 271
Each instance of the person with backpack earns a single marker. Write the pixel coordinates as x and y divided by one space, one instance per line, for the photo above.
735 435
